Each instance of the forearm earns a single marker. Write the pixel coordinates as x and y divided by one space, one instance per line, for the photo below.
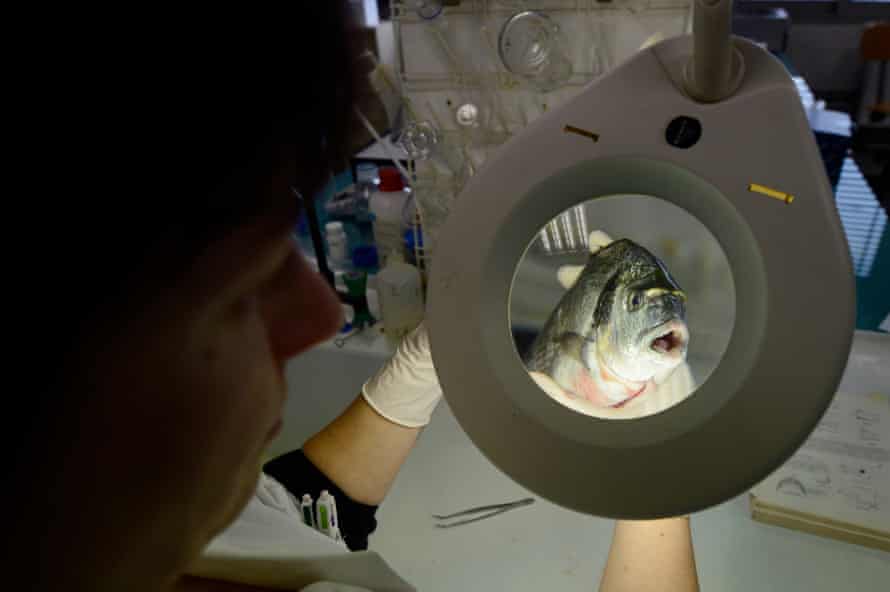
651 555
361 452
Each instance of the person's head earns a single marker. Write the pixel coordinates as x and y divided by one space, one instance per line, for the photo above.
164 295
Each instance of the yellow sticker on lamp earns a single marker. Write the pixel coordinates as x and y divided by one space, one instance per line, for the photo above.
769 192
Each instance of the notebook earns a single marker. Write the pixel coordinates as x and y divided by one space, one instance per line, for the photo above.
838 483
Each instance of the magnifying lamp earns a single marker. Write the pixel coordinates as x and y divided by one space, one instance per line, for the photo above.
712 126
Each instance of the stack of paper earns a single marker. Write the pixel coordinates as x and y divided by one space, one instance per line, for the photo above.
838 483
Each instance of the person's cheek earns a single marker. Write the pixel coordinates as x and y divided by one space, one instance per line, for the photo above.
300 309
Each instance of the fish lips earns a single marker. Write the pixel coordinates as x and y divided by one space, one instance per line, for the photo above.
668 341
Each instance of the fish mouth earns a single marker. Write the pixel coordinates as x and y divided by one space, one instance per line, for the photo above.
669 339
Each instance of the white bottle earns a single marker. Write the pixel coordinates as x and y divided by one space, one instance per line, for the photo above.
338 251
387 205
367 177
399 288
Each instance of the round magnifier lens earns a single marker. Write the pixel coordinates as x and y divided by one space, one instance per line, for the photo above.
622 306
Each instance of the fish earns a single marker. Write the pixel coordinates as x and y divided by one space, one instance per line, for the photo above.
619 330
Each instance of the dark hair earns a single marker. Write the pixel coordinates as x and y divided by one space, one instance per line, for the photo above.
166 131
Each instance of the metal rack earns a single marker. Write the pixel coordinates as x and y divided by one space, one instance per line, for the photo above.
453 81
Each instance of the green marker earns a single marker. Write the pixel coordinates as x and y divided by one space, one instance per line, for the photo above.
306 509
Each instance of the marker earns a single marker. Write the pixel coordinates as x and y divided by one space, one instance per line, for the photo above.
306 509
335 520
324 513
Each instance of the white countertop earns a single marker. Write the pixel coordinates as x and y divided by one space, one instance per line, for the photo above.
542 546
546 547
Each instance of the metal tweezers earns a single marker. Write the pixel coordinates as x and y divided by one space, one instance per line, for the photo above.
493 510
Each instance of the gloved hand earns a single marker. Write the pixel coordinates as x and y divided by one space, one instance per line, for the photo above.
406 389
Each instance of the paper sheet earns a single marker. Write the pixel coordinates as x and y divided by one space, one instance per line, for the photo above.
842 472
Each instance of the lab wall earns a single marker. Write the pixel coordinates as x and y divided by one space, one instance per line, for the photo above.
455 81
827 56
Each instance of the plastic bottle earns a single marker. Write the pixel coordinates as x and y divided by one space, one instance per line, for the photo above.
367 176
387 205
338 250
400 291
364 257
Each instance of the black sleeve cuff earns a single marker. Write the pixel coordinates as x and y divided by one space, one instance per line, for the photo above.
300 476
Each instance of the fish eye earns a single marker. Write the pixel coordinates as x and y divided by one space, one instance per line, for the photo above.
636 299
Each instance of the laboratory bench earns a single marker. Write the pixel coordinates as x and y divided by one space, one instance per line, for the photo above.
542 546
547 547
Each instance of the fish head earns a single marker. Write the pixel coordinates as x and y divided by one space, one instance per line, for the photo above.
640 320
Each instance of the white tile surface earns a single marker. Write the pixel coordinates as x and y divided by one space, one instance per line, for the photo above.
541 547
545 547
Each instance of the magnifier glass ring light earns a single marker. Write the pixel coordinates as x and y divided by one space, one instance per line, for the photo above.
785 355
619 328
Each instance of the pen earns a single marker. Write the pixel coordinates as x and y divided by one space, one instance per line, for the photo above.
306 509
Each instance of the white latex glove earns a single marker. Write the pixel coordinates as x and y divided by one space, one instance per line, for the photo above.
406 389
